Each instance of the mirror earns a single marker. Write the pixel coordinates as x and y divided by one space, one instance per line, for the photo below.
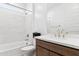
64 14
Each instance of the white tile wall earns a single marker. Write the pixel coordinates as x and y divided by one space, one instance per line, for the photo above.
66 14
14 27
40 14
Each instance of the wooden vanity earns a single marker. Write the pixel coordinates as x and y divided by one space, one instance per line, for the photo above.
44 48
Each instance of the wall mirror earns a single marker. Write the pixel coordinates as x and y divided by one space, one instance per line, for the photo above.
64 14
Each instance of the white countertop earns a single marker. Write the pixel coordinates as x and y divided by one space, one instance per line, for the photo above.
70 41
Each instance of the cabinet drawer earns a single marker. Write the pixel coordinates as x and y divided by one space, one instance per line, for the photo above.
63 50
53 54
42 51
42 43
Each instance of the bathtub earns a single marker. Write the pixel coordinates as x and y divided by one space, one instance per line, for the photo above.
11 49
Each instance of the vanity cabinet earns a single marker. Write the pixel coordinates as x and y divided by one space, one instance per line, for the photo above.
53 54
44 48
42 51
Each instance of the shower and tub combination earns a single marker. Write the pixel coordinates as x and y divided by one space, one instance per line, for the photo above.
14 25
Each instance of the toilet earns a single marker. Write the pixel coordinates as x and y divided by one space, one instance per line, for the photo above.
28 50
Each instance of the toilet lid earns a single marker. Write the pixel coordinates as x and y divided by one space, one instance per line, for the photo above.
28 48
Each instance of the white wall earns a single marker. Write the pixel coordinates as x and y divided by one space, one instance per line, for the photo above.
40 14
14 27
22 5
66 15
11 25
14 24
29 23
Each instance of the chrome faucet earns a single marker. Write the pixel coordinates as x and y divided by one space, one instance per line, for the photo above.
60 32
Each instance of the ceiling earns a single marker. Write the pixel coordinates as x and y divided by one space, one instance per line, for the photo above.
53 5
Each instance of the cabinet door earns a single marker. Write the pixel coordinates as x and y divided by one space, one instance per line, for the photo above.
42 51
62 50
53 54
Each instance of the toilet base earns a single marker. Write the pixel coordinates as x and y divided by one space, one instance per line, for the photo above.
28 51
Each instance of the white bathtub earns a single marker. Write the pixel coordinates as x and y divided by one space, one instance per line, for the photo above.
11 49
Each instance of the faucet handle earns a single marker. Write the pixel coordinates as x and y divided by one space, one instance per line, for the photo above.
27 35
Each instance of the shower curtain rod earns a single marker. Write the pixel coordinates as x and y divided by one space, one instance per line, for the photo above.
18 7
